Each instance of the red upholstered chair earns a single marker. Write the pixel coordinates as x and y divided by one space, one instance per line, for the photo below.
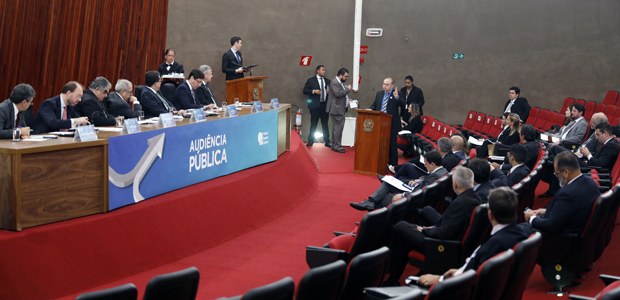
470 119
543 117
610 292
365 270
580 101
441 255
590 105
610 111
611 97
323 282
179 285
368 237
531 119
488 122
599 107
493 275
567 102
496 128
525 261
123 292
456 287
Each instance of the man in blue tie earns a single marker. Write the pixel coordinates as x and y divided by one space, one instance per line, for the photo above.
389 102
232 61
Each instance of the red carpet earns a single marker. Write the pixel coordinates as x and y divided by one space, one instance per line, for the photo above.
240 231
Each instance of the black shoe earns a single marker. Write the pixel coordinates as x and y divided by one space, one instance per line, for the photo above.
328 144
339 150
364 205
309 144
380 177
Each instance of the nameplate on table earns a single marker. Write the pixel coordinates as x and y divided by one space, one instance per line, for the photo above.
166 120
231 110
274 103
198 115
131 126
85 133
257 106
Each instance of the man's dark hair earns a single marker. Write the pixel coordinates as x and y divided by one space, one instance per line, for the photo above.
21 93
318 67
529 133
503 203
197 74
168 51
151 78
516 89
100 83
580 108
342 71
566 160
409 77
481 169
518 152
433 157
70 86
234 39
605 127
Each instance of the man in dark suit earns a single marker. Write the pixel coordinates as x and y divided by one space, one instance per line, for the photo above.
517 104
316 88
518 169
486 178
92 104
57 113
414 169
203 92
169 65
389 102
529 139
121 102
12 111
411 94
386 193
153 103
570 208
232 61
608 153
337 106
184 96
506 233
449 226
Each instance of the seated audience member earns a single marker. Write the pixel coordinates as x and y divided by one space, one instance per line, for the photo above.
449 226
12 111
517 104
414 125
57 113
570 208
92 104
122 102
606 156
508 137
169 65
414 169
459 147
572 134
516 168
184 96
153 103
384 194
203 93
486 177
591 142
529 140
506 233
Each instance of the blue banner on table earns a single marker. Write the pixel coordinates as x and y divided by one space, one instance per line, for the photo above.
147 164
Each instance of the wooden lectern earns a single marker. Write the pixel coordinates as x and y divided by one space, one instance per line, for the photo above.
372 142
246 88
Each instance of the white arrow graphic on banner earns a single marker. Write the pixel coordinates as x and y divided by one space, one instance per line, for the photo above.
155 149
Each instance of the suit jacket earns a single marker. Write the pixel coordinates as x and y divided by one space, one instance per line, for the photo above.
313 84
450 160
7 119
153 105
94 109
606 157
508 139
117 106
453 222
496 179
501 241
50 114
576 132
531 155
175 68
183 98
337 99
518 174
230 64
204 95
415 96
394 107
570 208
521 107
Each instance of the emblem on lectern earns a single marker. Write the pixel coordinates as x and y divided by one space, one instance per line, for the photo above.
256 94
369 125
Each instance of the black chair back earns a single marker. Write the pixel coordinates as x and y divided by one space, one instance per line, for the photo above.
283 289
122 292
138 91
365 270
454 288
323 282
370 233
478 230
525 261
180 285
493 275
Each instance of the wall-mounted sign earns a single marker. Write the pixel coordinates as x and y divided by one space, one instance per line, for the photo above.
305 60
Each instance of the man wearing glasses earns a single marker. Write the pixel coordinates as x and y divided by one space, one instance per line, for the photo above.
12 111
58 113
92 105
184 96
121 102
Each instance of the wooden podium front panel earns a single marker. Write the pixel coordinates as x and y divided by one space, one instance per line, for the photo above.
372 142
243 88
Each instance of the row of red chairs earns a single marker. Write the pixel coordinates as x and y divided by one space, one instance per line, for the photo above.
480 125
432 131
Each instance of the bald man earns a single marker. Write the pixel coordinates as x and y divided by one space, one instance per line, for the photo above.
389 101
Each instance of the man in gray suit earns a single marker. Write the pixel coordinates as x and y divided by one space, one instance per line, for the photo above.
337 104
12 111
122 102
572 134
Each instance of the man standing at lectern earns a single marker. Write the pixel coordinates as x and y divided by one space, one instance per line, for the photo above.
232 62
389 102
316 88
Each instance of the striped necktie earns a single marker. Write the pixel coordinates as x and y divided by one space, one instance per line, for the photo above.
384 104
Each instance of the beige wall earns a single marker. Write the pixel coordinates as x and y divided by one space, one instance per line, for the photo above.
552 49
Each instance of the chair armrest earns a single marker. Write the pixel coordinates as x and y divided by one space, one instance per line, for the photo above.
339 233
441 255
319 256
578 297
608 279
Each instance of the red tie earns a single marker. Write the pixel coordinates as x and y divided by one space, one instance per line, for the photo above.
64 113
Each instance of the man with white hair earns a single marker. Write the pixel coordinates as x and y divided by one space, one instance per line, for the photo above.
92 104
203 92
122 102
